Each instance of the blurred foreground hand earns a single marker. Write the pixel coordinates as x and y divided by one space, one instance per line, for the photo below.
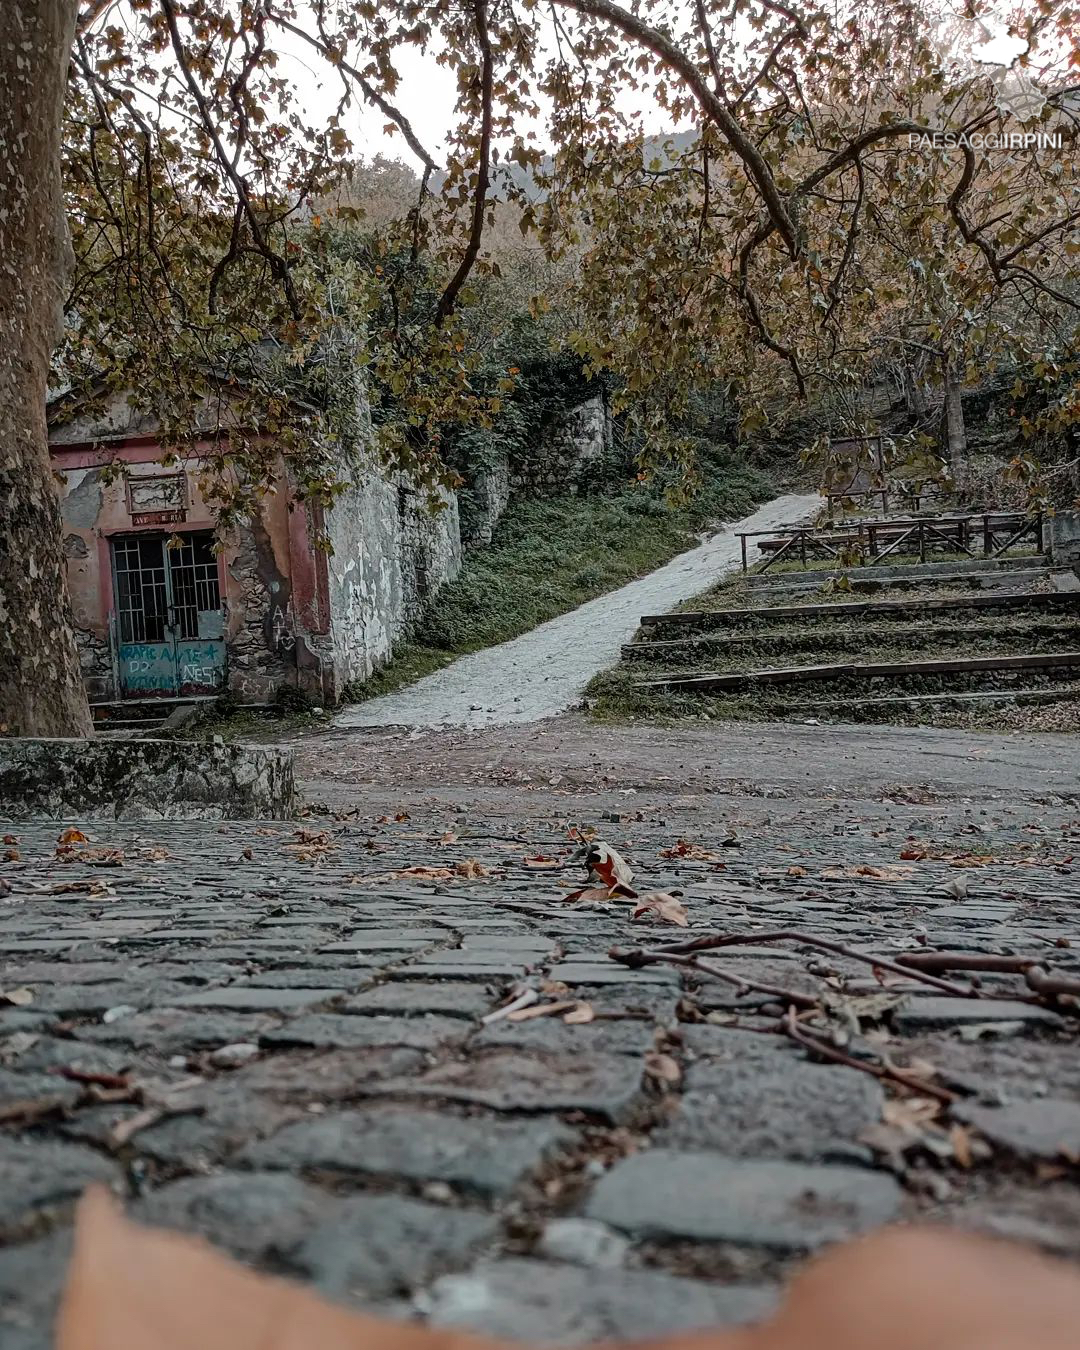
136 1288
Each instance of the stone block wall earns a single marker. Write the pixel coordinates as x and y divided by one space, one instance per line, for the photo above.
143 780
483 503
575 445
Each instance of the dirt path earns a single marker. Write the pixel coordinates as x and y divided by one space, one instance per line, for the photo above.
544 671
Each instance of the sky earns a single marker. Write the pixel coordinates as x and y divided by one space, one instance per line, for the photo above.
427 91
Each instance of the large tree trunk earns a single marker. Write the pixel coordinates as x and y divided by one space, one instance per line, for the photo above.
41 692
953 417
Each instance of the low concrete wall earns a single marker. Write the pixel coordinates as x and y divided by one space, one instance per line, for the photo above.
143 780
1065 537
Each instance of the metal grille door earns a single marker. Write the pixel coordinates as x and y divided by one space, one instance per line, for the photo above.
169 617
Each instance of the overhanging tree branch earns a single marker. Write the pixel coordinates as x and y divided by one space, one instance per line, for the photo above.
449 297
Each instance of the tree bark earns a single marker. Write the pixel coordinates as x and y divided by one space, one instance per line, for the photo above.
41 690
953 415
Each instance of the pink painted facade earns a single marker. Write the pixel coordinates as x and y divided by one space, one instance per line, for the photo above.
269 585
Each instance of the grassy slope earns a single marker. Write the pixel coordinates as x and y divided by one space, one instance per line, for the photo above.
548 557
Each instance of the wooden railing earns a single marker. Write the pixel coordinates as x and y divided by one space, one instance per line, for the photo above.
867 543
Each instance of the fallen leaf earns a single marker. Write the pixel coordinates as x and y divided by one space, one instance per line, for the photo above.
12 855
448 838
98 889
17 998
10 839
608 868
130 1287
471 868
71 836
797 872
662 905
539 860
957 887
94 857
580 1014
662 1068
589 895
693 853
411 873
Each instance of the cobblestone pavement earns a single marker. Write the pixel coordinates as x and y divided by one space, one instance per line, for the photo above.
272 1034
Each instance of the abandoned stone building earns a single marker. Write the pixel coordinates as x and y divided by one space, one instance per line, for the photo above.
166 611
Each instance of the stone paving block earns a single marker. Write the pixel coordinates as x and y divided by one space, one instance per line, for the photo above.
415 997
579 972
252 998
525 944
1047 1216
554 1304
249 1214
1039 1127
478 956
93 999
374 1246
783 1206
49 1053
229 1118
772 1106
707 1041
25 1019
38 1088
920 1014
349 977
510 1081
388 947
655 1002
31 1280
315 1078
171 1030
617 1036
41 1175
448 970
345 1030
487 1156
395 936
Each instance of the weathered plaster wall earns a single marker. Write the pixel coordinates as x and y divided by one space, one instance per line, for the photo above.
390 555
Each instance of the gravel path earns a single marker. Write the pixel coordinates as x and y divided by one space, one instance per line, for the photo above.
544 671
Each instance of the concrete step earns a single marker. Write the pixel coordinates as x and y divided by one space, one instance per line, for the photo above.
674 626
997 575
952 670
956 698
993 633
